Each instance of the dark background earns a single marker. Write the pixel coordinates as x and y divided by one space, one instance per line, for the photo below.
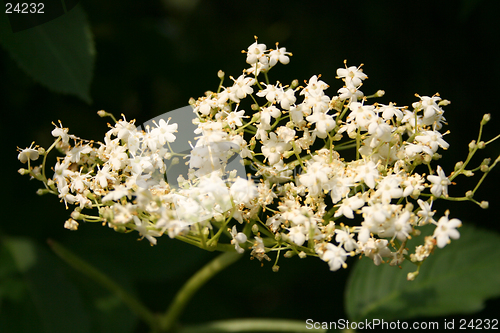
152 56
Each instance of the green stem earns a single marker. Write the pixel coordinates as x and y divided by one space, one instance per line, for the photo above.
251 325
133 303
169 319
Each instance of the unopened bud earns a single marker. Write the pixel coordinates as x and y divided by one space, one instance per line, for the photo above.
175 161
484 168
458 165
468 173
255 117
302 255
484 204
255 107
472 145
289 254
23 172
380 93
486 118
42 191
255 229
75 215
411 276
295 84
481 145
276 268
192 101
469 194
444 102
102 113
41 150
221 74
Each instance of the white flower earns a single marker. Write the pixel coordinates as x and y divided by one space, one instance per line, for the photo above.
348 205
439 183
238 238
324 123
297 234
315 87
351 93
432 139
351 75
164 131
273 148
142 226
28 154
61 132
287 98
271 92
255 53
368 173
376 250
446 229
280 55
234 118
345 239
425 213
242 87
334 255
243 191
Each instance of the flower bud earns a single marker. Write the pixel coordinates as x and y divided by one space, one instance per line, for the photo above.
412 275
469 194
276 268
175 161
302 255
484 204
23 171
486 161
484 168
289 254
380 93
255 229
468 173
295 84
458 165
75 215
486 118
255 107
41 150
481 145
472 145
192 101
444 102
221 74
102 113
42 191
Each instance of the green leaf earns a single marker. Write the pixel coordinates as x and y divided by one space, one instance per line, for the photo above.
48 302
58 54
457 279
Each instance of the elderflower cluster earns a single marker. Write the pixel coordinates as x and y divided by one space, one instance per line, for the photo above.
290 189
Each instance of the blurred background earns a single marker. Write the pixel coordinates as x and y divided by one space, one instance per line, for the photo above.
152 56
